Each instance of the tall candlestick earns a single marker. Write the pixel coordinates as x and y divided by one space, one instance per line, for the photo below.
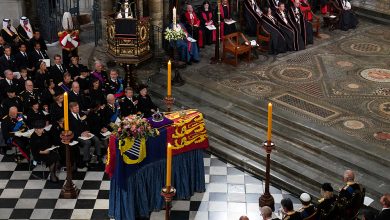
169 89
169 165
66 116
174 17
269 133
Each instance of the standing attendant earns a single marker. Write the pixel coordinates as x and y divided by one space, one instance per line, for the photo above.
207 19
69 39
226 18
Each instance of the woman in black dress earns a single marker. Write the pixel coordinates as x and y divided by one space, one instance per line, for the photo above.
42 76
40 143
56 108
145 103
96 92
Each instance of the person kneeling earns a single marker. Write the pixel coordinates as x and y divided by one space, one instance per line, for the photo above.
41 148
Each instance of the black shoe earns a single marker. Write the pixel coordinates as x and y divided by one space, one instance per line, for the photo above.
189 63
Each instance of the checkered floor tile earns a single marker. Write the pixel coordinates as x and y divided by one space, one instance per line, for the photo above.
229 194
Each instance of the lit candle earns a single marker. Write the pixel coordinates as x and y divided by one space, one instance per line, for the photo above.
269 122
174 17
169 165
66 116
169 89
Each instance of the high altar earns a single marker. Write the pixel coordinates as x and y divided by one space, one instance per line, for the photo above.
128 38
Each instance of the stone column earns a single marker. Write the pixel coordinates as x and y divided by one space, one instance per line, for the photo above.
141 8
156 14
166 17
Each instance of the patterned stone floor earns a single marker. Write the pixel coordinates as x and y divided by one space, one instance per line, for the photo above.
343 81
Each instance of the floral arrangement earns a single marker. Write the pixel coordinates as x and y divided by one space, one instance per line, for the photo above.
174 34
134 127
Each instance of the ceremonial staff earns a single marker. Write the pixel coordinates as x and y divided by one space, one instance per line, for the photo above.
216 58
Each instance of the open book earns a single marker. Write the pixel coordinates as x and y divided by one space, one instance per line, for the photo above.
231 21
53 147
87 138
26 134
211 27
106 134
190 39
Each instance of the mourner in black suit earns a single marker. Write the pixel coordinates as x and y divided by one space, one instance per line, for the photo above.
145 103
22 58
76 96
37 39
326 208
7 82
7 61
288 210
128 103
384 214
37 54
40 142
79 126
57 70
2 44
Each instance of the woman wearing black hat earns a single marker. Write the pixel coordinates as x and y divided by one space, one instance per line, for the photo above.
40 147
145 103
35 114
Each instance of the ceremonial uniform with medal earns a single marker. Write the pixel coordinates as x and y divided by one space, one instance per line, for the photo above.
69 39
12 123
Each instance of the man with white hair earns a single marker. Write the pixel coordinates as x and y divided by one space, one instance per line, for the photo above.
111 111
351 196
266 213
25 31
8 82
9 33
69 39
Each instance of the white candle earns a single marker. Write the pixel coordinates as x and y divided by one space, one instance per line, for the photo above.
174 17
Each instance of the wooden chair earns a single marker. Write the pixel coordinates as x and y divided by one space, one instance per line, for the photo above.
315 22
263 38
232 43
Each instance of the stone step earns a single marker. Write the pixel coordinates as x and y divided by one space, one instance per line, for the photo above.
218 148
287 151
352 161
255 110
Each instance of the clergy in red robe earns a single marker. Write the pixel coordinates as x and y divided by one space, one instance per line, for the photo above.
192 24
207 23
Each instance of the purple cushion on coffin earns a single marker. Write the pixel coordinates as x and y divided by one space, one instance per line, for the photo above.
160 124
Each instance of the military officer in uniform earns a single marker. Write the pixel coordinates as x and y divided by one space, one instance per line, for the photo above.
11 123
308 210
69 39
111 110
115 85
128 103
326 208
29 94
351 196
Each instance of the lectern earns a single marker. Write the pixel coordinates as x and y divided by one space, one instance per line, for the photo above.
129 43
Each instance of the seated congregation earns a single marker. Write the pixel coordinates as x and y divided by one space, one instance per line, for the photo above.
279 26
32 103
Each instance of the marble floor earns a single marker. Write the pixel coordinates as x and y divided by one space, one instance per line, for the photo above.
229 194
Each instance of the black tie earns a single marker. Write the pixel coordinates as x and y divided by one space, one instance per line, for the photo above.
60 67
78 117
